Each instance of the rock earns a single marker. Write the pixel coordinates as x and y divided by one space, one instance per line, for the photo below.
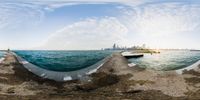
133 91
11 90
99 80
86 87
103 79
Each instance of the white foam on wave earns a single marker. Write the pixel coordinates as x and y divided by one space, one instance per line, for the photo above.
24 62
43 75
193 66
131 65
94 70
67 78
1 59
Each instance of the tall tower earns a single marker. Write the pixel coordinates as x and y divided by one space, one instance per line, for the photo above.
114 46
144 46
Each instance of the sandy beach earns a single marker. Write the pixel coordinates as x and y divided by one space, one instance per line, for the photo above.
115 80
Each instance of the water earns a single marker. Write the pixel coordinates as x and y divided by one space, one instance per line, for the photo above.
63 61
2 54
168 60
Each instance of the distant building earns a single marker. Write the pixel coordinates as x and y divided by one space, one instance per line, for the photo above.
8 50
144 46
117 47
114 46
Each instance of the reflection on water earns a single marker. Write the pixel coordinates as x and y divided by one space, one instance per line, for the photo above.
168 60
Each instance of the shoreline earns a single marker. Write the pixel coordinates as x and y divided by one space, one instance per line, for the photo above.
194 66
2 59
60 76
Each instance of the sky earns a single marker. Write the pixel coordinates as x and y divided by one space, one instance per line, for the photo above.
96 24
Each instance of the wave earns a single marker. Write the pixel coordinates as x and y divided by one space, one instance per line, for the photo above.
194 66
61 76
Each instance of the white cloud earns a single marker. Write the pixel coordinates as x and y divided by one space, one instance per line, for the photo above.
61 3
15 14
35 10
164 25
146 17
87 34
163 18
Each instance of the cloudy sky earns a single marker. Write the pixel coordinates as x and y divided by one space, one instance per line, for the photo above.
96 24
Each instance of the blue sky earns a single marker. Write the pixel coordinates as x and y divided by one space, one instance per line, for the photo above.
95 24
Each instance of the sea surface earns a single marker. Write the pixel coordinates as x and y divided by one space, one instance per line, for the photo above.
63 61
2 54
168 60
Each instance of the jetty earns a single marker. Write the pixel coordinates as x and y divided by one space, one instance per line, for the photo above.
194 50
114 80
129 55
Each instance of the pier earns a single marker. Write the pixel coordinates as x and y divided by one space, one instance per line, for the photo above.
129 55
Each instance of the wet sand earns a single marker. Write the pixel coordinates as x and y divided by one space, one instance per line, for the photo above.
115 80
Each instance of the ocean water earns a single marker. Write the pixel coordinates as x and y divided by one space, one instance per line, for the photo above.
2 54
63 61
168 60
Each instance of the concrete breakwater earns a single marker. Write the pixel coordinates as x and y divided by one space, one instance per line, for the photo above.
113 80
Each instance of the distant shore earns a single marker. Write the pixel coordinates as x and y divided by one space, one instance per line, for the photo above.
114 80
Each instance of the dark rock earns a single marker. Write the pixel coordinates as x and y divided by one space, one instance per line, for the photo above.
104 79
193 80
11 90
86 87
133 91
192 72
99 80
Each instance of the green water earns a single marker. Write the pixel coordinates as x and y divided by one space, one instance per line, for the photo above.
168 60
63 61
2 54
